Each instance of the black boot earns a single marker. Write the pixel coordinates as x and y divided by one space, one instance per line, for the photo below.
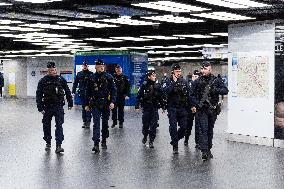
47 146
59 149
151 145
113 125
120 125
104 144
96 148
210 154
175 149
205 155
144 140
87 125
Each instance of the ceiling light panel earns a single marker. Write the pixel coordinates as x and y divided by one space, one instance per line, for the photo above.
7 22
220 34
223 16
88 24
104 39
5 4
235 4
69 14
132 38
51 26
38 1
161 37
197 36
20 16
173 19
170 6
128 21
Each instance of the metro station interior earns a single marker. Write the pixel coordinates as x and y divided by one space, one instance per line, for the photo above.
241 39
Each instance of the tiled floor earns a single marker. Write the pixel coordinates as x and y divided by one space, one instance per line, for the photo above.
126 163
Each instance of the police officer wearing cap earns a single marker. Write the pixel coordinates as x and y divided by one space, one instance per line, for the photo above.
82 78
123 92
206 90
101 98
149 97
190 115
178 99
50 100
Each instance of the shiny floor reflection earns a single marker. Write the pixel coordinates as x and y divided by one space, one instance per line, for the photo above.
126 163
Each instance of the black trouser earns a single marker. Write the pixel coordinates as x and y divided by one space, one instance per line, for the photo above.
58 112
149 121
177 116
86 115
1 92
118 112
190 118
99 113
205 120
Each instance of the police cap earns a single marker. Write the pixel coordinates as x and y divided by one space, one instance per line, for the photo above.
117 66
99 62
85 63
176 67
196 72
205 64
150 72
50 64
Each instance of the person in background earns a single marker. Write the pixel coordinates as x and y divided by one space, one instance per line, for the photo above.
190 116
123 92
1 84
82 79
50 94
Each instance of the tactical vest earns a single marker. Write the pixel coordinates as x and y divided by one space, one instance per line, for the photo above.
120 84
180 94
53 91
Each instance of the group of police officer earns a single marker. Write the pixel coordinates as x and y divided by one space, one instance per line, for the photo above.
100 92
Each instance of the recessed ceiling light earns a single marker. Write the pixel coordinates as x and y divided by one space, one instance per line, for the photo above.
170 6
235 4
223 16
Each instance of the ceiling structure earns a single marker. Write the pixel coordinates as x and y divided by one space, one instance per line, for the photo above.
175 30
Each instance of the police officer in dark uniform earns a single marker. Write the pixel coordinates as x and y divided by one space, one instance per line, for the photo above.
178 98
190 115
102 95
123 92
82 78
206 90
50 101
150 98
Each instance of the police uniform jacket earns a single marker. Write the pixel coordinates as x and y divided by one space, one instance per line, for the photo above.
101 90
123 86
177 93
82 78
216 88
51 91
149 95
